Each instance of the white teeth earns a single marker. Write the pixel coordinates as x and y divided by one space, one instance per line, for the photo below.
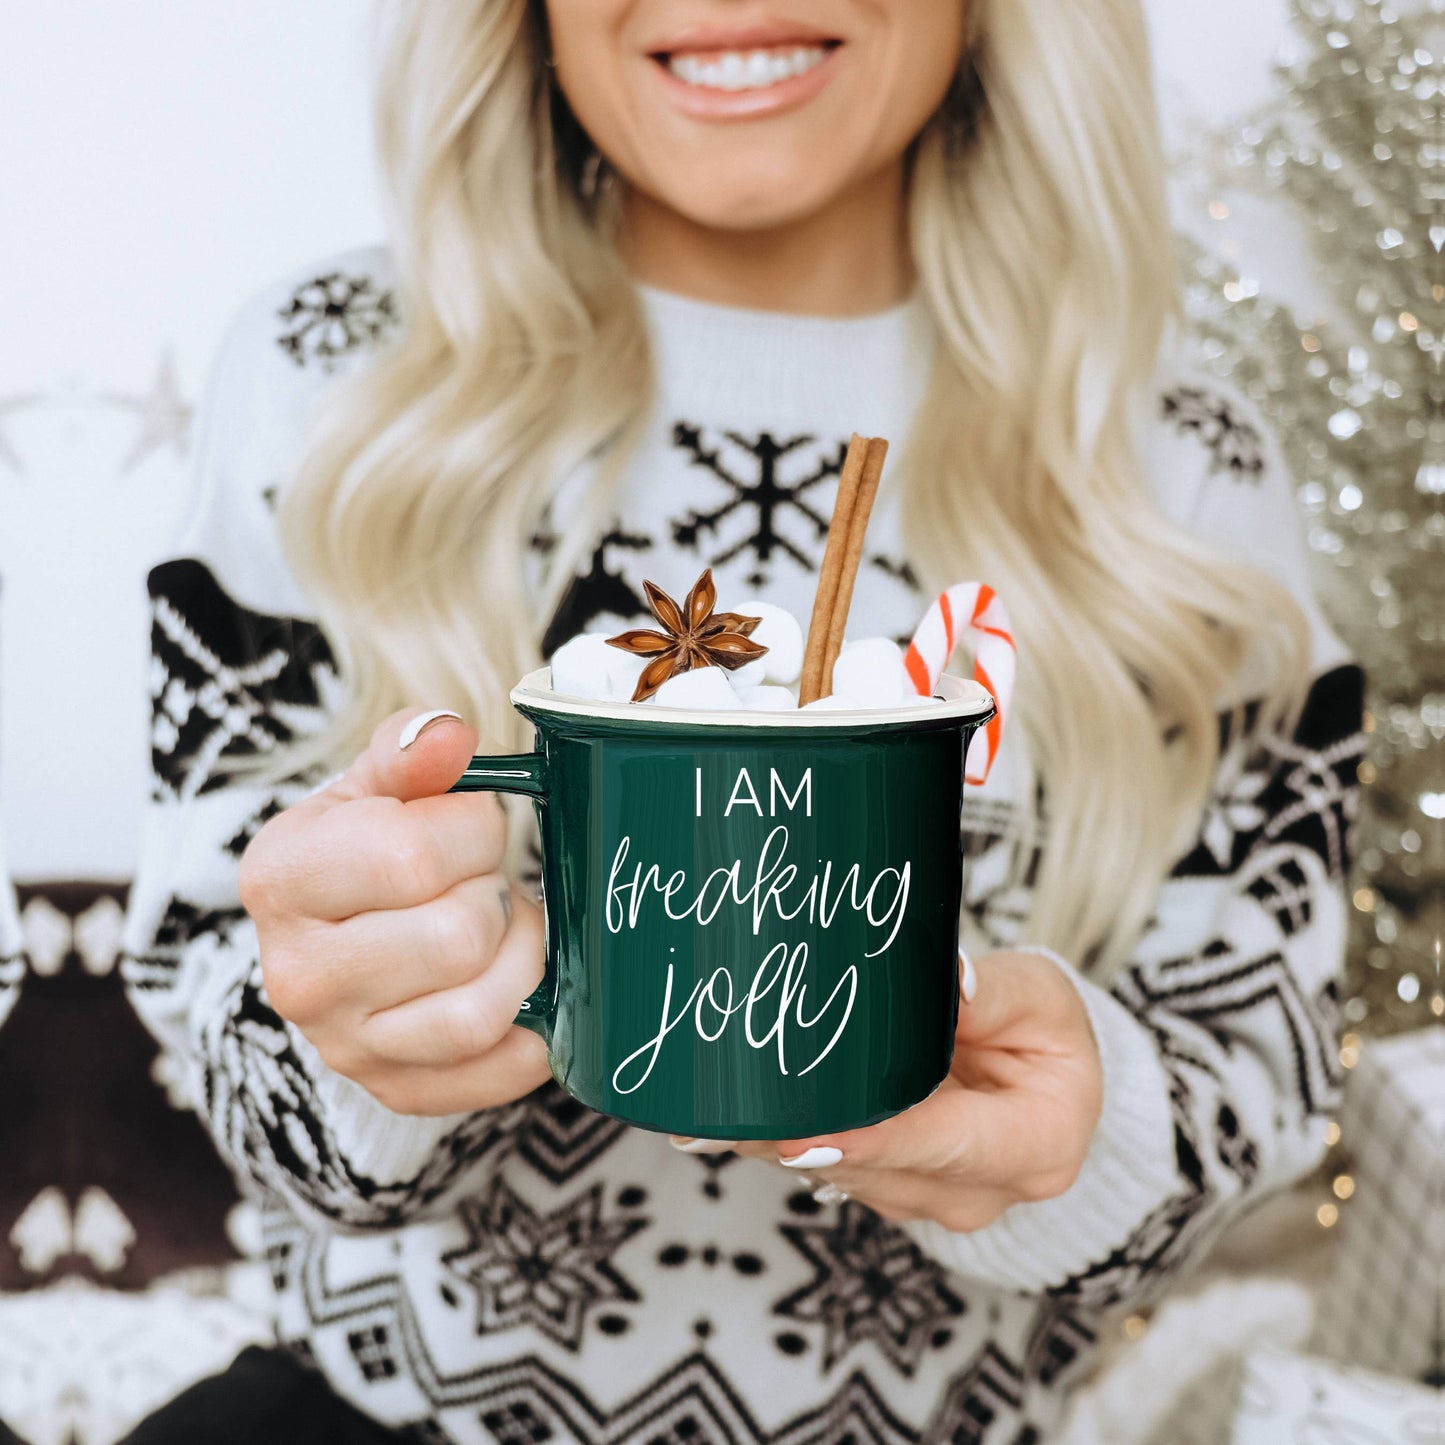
750 70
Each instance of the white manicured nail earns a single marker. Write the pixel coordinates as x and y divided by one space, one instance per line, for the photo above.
420 723
969 981
823 1157
700 1146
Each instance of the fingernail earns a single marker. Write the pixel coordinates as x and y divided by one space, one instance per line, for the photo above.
823 1157
700 1146
420 723
969 981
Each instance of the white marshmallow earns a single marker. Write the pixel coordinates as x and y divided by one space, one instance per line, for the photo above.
622 675
587 667
766 699
704 688
583 667
778 631
872 674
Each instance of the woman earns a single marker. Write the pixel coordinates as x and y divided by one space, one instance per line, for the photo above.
651 262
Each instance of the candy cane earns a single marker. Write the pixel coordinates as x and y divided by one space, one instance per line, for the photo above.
976 607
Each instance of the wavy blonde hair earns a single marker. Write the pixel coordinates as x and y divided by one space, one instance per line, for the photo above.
1044 254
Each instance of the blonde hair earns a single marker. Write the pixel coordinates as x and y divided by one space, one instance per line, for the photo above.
1044 255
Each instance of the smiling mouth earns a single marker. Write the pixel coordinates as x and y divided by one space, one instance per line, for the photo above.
750 69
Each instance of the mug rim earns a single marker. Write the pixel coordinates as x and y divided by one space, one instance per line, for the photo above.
963 699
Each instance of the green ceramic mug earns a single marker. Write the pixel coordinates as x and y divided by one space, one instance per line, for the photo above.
752 919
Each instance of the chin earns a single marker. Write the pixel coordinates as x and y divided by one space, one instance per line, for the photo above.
748 201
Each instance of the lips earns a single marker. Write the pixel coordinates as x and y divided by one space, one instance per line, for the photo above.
763 35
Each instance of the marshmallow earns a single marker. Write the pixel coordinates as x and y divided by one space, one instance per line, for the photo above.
766 699
587 667
622 676
583 668
780 633
871 673
704 688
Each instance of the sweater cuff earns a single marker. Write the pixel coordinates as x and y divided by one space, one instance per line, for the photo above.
1128 1173
377 1144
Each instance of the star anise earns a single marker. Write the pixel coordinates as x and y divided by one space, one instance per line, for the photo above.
692 635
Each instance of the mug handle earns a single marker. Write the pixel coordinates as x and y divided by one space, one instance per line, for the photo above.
525 774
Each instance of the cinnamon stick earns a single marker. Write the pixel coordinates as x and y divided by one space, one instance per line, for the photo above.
810 685
853 557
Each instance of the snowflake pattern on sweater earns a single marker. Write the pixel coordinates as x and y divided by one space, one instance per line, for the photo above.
542 1272
12 974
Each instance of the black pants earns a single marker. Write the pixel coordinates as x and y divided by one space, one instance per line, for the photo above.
265 1398
8 1436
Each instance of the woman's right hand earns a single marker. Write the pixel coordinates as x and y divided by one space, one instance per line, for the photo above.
389 936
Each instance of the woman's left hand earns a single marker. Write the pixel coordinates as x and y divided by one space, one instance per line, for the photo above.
1011 1123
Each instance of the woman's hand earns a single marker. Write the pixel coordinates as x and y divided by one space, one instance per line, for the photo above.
1011 1123
388 935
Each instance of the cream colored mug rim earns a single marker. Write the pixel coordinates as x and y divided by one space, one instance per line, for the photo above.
962 698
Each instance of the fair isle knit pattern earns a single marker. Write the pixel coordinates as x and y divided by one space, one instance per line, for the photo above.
12 972
543 1273
12 945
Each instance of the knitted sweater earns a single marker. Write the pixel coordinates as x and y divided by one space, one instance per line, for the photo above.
12 944
541 1272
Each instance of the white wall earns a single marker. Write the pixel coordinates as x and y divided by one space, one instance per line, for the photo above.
159 162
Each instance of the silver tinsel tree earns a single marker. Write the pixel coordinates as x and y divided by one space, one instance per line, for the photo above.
1357 144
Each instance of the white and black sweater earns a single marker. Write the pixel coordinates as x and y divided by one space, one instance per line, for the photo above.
541 1272
12 944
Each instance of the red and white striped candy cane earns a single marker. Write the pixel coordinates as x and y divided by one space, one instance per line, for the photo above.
976 608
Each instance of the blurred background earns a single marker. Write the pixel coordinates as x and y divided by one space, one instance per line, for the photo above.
161 163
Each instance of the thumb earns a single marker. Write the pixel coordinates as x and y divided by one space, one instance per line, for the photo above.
414 753
1020 1001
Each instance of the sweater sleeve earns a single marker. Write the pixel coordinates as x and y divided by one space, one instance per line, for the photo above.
1218 1039
232 677
12 946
